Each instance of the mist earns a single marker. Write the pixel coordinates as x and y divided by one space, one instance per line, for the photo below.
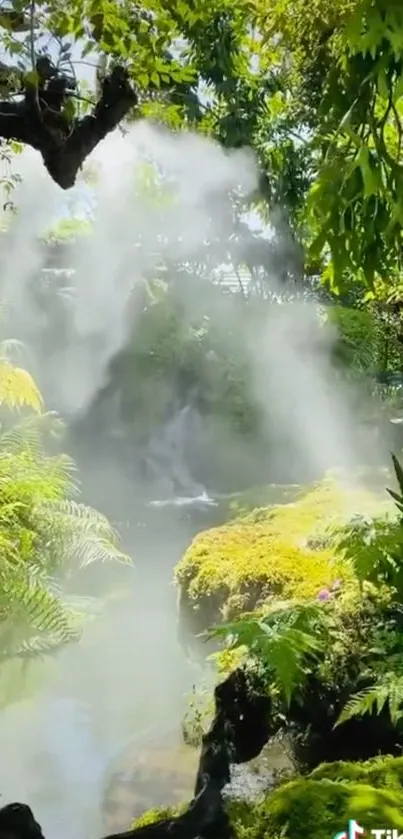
128 674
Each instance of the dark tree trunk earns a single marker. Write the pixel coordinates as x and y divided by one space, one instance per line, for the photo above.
38 121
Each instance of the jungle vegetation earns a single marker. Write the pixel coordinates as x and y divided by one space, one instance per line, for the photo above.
317 93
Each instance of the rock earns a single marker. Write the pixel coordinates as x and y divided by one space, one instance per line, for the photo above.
161 776
143 778
283 551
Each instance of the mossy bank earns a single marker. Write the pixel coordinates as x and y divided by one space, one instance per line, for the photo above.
280 551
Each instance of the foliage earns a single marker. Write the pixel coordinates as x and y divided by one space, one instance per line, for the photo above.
317 94
285 638
171 353
194 65
282 551
388 691
333 666
360 339
44 534
17 387
336 682
347 66
373 544
321 808
380 772
198 717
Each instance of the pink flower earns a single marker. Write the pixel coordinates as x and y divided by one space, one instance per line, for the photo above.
324 594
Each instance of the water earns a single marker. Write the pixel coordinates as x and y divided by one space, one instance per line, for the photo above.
166 459
106 701
124 683
202 500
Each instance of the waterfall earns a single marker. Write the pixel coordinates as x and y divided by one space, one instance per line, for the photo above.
166 459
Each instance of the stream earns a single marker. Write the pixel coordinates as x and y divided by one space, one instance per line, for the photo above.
123 683
114 702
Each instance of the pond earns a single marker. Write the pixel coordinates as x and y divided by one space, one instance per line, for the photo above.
118 691
126 679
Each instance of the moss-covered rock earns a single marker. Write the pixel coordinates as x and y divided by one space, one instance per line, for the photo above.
321 808
385 772
320 805
283 551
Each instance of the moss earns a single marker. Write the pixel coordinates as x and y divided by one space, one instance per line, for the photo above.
283 551
322 808
380 772
151 816
242 814
243 503
319 807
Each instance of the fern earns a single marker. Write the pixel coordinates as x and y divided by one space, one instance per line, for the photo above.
32 433
17 388
78 535
43 532
282 640
388 691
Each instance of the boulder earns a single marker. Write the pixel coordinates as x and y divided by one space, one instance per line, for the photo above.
284 551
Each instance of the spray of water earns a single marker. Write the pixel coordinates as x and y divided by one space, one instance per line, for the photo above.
128 673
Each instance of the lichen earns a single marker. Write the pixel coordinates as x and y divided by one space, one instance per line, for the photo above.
283 551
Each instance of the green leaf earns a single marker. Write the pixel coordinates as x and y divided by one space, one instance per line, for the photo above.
31 78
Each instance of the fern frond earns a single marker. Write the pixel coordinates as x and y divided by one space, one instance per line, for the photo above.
18 389
40 531
93 548
11 349
281 640
34 647
79 534
374 698
32 617
31 434
47 478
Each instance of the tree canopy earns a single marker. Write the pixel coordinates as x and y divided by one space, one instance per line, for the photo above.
317 93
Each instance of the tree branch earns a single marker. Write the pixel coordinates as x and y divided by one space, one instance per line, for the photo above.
64 144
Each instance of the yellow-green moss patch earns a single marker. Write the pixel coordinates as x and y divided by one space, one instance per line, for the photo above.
283 551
